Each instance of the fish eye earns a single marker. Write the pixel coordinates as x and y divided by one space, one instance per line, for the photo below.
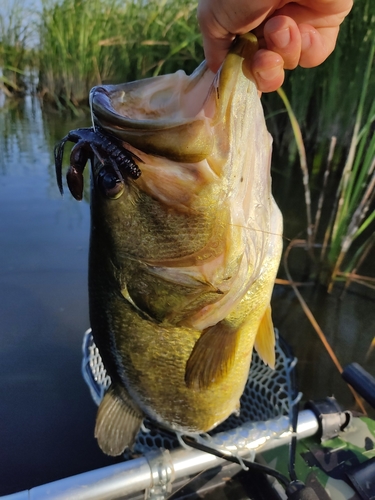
110 185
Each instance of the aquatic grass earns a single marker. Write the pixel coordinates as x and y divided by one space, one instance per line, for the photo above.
353 214
303 164
161 37
71 59
325 99
355 195
345 224
16 54
370 350
89 42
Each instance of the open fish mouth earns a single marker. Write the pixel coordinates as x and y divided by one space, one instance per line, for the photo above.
171 115
165 118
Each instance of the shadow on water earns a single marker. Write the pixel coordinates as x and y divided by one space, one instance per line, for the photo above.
46 411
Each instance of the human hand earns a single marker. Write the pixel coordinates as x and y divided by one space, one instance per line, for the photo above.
290 33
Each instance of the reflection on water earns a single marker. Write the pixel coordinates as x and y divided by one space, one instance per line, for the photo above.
46 412
346 319
348 325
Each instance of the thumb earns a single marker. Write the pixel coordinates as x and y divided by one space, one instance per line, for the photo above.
215 50
216 39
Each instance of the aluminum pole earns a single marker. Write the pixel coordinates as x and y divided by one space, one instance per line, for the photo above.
158 469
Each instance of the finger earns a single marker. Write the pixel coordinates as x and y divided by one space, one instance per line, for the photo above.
215 50
318 23
268 70
216 39
220 21
317 44
281 35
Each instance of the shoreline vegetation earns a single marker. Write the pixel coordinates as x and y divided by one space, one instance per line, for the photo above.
68 46
324 118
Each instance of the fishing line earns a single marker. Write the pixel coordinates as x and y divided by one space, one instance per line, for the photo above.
192 443
230 458
92 111
294 488
261 231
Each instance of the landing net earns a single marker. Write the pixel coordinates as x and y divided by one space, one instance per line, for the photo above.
268 393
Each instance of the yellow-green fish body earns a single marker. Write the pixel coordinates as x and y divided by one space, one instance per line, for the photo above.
183 260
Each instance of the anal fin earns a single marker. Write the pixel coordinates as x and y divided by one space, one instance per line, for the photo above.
117 422
212 356
265 339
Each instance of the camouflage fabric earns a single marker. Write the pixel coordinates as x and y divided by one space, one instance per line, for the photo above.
331 468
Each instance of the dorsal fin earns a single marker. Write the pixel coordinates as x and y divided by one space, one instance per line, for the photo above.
212 355
117 422
265 339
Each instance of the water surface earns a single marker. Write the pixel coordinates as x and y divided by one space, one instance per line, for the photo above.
46 413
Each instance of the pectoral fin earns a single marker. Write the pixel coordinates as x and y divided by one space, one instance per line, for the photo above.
117 422
212 356
265 339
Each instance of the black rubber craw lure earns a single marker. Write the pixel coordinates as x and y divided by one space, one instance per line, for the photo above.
116 161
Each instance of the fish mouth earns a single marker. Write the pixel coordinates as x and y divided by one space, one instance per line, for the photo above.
172 115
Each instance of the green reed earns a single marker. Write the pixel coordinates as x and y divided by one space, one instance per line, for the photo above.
354 211
71 58
325 99
88 42
157 36
16 55
352 218
333 108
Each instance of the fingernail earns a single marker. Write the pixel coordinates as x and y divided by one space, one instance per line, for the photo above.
270 74
281 38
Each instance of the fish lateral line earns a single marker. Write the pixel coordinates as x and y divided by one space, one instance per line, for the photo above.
261 231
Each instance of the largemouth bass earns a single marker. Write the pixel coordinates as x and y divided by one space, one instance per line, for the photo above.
183 257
